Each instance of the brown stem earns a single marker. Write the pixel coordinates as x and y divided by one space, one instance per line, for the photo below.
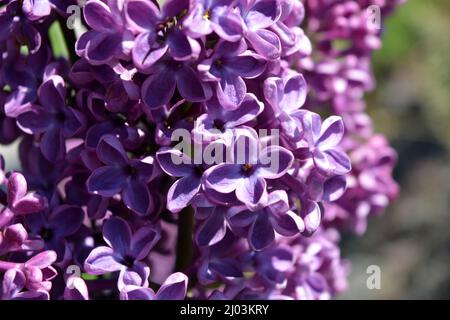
184 240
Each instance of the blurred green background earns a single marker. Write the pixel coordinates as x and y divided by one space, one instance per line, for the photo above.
411 106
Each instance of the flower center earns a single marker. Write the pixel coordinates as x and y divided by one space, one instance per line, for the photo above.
60 117
247 168
218 63
128 261
46 234
219 124
131 171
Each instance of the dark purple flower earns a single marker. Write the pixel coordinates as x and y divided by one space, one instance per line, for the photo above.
160 32
13 24
54 227
168 74
176 164
52 118
229 64
109 38
124 254
122 175
263 223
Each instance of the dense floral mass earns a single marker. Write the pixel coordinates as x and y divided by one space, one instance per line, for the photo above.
105 204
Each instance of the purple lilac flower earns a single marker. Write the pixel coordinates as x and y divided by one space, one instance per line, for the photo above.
276 216
217 16
124 253
54 227
52 118
217 122
174 288
247 177
129 177
159 32
182 192
109 37
168 75
258 17
19 200
230 63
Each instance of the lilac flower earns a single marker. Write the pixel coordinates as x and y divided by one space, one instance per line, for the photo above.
217 16
124 254
55 226
109 38
36 9
160 32
322 140
168 74
174 288
22 74
129 177
286 96
228 65
248 179
35 275
218 121
15 238
168 120
276 216
183 191
13 287
258 16
76 289
52 118
20 29
20 202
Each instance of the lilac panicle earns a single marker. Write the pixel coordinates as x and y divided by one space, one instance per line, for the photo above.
103 186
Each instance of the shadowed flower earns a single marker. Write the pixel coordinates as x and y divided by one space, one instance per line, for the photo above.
52 118
129 177
124 254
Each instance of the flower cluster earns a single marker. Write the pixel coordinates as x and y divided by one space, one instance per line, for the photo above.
277 155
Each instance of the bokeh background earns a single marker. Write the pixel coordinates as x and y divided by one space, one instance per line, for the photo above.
411 106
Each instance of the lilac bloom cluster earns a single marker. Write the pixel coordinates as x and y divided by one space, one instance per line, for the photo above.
108 205
339 75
